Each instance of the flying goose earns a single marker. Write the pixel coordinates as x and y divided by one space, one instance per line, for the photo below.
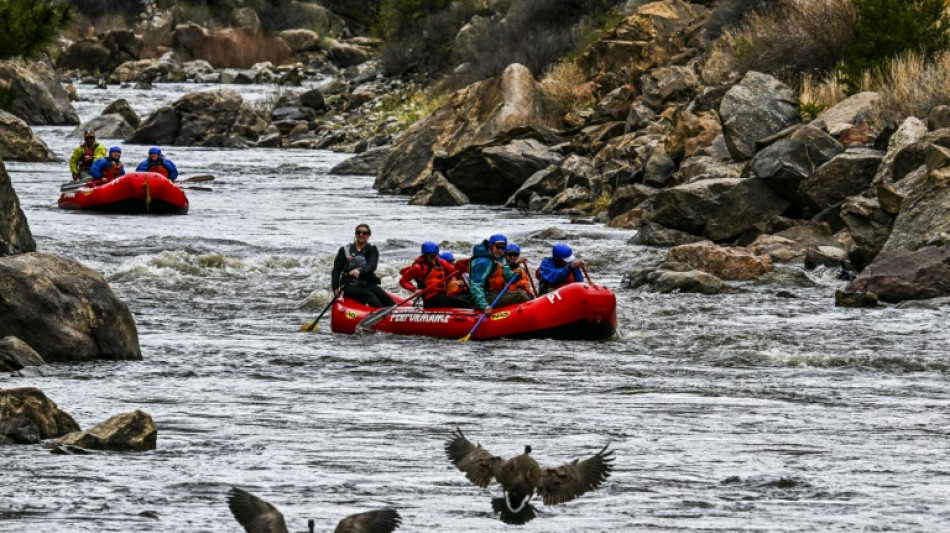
258 516
521 477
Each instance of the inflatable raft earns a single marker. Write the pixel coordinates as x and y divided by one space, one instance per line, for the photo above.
137 192
578 311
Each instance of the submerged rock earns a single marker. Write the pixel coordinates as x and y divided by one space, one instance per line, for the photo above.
127 432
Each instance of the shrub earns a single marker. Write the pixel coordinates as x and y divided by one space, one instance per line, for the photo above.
730 14
911 85
28 27
886 28
567 84
794 37
427 46
817 95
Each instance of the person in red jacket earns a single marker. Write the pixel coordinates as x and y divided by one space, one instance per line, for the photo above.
429 271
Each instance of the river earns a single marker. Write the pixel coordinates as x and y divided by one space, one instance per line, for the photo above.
751 411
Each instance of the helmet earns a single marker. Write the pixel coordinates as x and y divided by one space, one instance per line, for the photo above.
512 247
115 149
430 247
357 261
154 150
88 133
497 238
563 252
447 256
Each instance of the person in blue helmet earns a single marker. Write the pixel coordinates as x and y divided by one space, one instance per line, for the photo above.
431 272
448 257
156 162
558 270
109 167
489 274
518 264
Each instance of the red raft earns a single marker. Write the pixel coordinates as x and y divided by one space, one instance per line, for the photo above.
578 311
137 192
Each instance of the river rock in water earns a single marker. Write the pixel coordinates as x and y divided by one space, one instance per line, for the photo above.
126 432
15 235
64 310
27 416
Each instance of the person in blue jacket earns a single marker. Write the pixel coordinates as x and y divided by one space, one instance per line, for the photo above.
108 167
156 162
489 274
558 270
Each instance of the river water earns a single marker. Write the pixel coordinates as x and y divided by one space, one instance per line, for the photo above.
752 411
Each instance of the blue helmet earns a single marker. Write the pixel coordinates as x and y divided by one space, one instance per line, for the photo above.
154 150
512 247
430 247
115 149
563 252
447 256
498 237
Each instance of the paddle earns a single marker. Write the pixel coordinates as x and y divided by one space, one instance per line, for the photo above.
377 316
312 326
72 186
586 275
482 318
197 179
197 188
534 289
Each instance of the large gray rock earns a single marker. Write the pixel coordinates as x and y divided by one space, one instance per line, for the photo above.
19 143
15 235
16 354
492 174
784 164
209 118
437 191
364 164
900 274
856 109
475 115
869 226
924 217
111 126
909 132
38 94
672 278
64 310
847 174
126 432
718 209
123 108
753 109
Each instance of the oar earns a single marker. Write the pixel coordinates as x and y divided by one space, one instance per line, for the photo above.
197 188
377 316
312 326
72 186
586 275
197 179
481 318
534 289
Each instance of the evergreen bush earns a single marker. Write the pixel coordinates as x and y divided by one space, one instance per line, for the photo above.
886 28
29 27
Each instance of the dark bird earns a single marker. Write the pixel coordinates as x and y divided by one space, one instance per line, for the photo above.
521 477
258 516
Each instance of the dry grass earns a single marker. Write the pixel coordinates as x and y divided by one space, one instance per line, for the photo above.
234 49
816 95
912 85
567 84
792 37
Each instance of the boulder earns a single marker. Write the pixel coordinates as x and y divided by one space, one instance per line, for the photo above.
122 107
754 108
86 55
846 174
31 416
208 118
111 126
724 263
546 182
786 163
718 209
475 115
438 191
127 432
666 83
674 277
869 226
628 197
363 164
924 217
64 310
900 274
19 143
653 234
16 354
854 110
15 235
164 69
38 94
300 40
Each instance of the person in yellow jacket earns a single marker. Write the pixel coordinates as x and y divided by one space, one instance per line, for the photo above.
85 155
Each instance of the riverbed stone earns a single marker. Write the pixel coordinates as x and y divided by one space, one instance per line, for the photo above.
39 97
674 277
126 432
754 108
724 263
16 354
64 310
206 118
27 416
15 235
19 143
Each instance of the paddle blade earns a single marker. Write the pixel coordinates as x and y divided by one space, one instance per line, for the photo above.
198 179
309 326
374 318
466 338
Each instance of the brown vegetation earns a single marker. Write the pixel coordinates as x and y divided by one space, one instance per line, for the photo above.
913 85
234 49
567 84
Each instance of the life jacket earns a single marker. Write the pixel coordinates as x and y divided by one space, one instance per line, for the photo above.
523 284
91 152
157 167
112 170
433 275
457 285
495 280
545 287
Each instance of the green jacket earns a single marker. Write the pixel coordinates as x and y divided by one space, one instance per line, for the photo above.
98 152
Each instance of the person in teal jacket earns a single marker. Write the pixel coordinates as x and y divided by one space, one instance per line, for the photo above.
489 274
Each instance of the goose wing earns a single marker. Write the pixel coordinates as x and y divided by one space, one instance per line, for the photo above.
256 515
478 464
568 481
378 521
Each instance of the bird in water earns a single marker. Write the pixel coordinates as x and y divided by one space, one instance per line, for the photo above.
259 516
521 477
